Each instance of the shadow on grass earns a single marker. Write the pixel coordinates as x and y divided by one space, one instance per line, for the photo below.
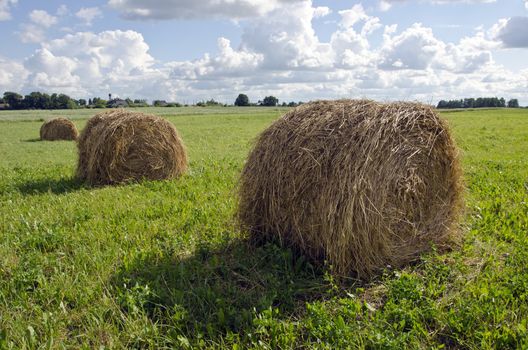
219 291
32 140
56 186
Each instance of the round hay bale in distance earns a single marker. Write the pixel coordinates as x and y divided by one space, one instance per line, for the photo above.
58 129
121 146
356 183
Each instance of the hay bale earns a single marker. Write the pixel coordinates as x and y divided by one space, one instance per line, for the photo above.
86 140
121 146
357 183
58 129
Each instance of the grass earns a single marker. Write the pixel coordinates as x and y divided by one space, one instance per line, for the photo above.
162 264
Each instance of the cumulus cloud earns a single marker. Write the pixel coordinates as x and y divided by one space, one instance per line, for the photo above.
414 48
322 11
228 63
190 9
286 39
511 32
352 48
35 31
42 18
84 63
89 14
12 75
31 33
5 7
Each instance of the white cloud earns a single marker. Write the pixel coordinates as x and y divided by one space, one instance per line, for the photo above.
287 39
322 11
12 75
414 48
85 63
42 18
31 33
511 32
52 72
228 62
187 9
34 32
89 14
5 7
352 49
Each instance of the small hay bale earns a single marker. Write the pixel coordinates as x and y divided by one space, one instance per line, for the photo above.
58 129
357 183
121 146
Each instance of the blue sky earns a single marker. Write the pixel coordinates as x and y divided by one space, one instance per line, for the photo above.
188 50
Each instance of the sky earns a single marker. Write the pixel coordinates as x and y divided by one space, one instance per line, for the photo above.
297 50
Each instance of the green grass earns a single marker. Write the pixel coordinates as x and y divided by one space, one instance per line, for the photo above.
162 264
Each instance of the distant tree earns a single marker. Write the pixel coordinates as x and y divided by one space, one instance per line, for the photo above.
82 102
99 102
513 103
210 102
159 103
269 101
89 102
242 100
14 100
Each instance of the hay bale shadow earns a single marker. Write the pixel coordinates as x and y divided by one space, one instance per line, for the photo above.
32 140
55 186
219 290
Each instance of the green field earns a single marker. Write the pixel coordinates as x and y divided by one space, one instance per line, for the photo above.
163 265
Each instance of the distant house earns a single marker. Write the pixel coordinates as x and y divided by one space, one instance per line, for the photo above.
4 105
117 103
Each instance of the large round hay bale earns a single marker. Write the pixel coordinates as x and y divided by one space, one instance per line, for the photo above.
356 183
121 146
58 129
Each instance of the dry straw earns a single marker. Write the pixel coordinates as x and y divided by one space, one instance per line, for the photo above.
121 146
58 129
357 183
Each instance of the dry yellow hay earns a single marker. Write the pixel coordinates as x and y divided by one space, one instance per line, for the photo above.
58 129
357 183
121 146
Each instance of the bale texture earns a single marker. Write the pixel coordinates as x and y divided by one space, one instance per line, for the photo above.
357 183
58 129
121 146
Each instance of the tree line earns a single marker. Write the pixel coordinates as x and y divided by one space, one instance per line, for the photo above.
269 101
39 100
479 102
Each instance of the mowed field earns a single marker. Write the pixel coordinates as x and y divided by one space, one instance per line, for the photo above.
163 264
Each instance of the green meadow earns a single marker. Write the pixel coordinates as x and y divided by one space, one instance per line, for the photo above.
163 264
